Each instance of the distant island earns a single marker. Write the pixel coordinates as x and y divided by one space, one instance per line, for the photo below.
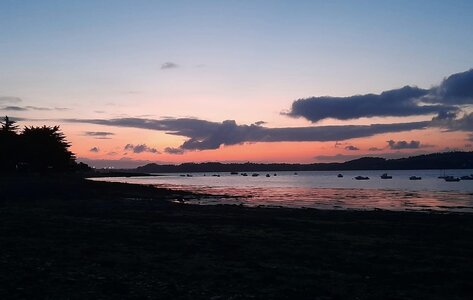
446 160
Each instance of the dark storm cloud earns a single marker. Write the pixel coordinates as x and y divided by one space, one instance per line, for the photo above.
99 134
171 150
229 133
204 134
445 115
456 89
398 103
94 149
352 148
29 107
140 148
464 123
445 99
14 108
169 65
403 145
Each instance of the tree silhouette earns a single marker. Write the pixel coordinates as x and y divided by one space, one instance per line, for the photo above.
8 126
35 149
9 144
46 148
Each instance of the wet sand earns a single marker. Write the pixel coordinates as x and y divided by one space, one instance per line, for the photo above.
68 238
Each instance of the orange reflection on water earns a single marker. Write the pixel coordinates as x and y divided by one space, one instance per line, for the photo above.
331 198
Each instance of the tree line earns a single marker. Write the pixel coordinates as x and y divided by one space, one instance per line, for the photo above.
38 149
446 160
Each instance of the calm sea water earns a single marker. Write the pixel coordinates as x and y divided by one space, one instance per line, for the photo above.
324 190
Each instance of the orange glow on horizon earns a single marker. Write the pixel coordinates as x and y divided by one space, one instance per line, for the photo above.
112 147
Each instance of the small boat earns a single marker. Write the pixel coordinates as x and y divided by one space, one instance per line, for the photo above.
216 175
188 175
362 178
267 175
386 176
183 175
415 178
451 179
467 177
295 173
244 174
443 176
275 174
340 176
233 173
255 174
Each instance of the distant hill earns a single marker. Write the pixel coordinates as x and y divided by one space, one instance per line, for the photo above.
446 160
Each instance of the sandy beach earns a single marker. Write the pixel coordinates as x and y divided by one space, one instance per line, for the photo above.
68 238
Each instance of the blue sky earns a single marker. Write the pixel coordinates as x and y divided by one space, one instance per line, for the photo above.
107 56
324 44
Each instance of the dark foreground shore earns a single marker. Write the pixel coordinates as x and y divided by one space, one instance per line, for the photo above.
67 238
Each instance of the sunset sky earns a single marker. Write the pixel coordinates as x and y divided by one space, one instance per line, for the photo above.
132 82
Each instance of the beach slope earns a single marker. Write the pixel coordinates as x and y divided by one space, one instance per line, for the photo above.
69 238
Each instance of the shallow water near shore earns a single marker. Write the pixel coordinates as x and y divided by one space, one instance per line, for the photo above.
323 190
